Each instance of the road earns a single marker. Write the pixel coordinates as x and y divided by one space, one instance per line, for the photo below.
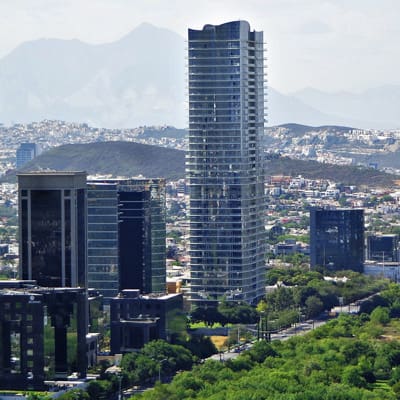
297 329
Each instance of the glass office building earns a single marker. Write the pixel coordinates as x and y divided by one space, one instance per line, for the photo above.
225 162
103 237
52 220
142 235
126 235
337 239
383 248
26 152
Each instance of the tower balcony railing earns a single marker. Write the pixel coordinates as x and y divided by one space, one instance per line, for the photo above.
214 57
215 65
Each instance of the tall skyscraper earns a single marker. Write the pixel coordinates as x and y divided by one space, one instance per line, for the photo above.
225 162
126 235
52 214
337 239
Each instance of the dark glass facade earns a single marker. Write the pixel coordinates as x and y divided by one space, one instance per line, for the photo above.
103 237
142 245
126 231
337 239
383 248
224 163
46 227
52 212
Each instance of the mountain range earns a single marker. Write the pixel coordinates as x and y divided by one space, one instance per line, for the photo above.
135 81
140 80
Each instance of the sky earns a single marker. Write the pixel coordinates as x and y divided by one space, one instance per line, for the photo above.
330 45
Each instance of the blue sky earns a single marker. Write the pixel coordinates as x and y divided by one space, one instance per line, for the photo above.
331 45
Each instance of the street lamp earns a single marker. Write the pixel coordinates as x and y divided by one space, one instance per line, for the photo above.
261 326
120 384
159 368
117 371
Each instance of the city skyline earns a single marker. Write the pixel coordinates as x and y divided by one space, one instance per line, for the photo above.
328 45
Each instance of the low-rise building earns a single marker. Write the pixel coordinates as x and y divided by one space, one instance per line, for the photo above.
137 319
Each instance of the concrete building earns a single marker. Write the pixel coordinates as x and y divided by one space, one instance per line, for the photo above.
289 246
137 319
337 239
225 162
52 221
42 334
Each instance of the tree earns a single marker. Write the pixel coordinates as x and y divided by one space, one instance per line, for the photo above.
314 306
208 315
37 396
100 389
261 350
176 356
74 394
352 376
211 316
342 201
380 315
200 346
391 294
143 367
302 293
281 298
354 349
146 369
198 314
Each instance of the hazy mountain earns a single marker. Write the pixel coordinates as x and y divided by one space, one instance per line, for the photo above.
283 109
140 80
137 80
373 108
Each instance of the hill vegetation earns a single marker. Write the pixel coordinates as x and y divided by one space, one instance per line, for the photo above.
113 158
119 158
347 175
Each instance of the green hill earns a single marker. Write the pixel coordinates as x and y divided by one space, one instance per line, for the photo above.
133 159
347 175
115 158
